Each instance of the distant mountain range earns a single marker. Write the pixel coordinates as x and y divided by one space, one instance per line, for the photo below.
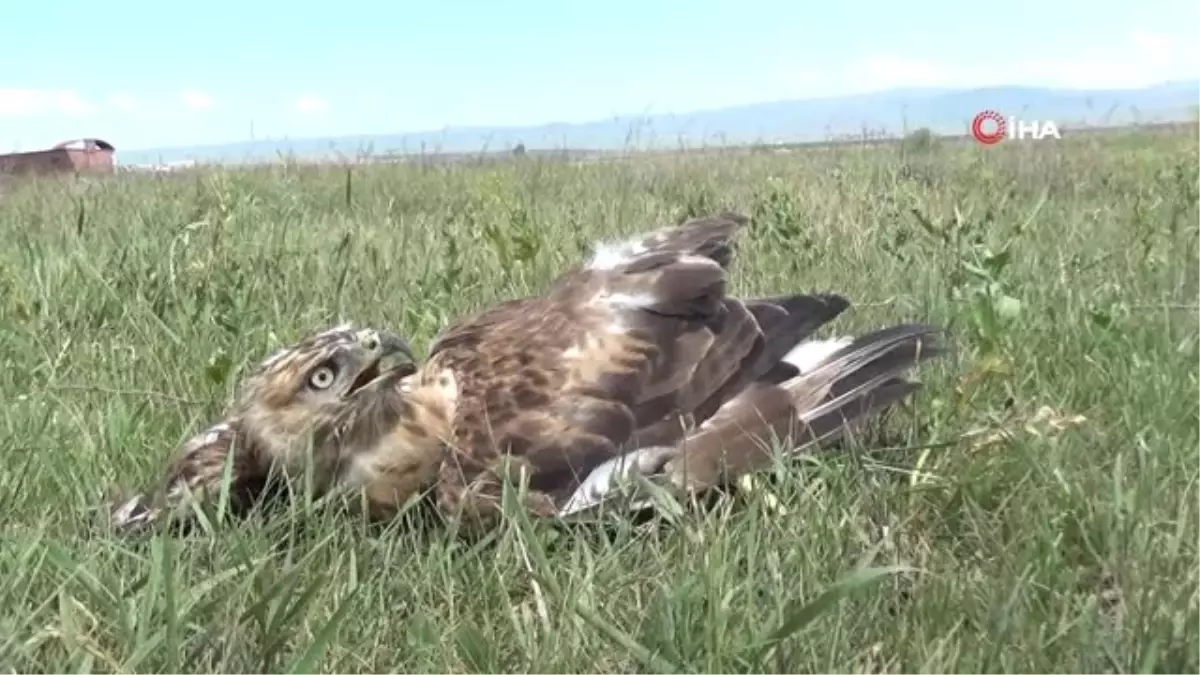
893 112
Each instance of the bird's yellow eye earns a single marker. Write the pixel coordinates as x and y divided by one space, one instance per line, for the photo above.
322 378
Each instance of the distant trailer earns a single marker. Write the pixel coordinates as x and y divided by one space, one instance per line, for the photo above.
82 155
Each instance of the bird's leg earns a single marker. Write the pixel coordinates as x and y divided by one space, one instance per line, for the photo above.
215 462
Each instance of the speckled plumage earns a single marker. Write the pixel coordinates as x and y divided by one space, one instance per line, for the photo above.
297 411
637 354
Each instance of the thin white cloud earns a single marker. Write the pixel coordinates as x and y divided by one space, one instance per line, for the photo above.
1142 59
26 102
122 102
196 100
309 104
72 104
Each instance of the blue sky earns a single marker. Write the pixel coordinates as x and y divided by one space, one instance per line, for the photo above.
148 74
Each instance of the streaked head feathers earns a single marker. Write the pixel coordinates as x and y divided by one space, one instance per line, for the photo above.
300 392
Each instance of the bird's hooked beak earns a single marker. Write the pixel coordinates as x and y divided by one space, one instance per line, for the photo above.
392 346
386 355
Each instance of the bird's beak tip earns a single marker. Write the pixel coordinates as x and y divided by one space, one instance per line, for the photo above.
391 345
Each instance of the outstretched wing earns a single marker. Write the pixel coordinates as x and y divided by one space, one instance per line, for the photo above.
195 474
634 348
836 386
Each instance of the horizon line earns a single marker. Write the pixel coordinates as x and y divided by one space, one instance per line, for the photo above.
645 115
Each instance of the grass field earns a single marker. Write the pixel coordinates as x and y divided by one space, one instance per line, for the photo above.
1035 510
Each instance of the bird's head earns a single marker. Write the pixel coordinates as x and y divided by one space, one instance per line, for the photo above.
314 390
342 393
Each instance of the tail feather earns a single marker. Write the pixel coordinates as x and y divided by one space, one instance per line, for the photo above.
822 404
835 422
806 356
844 388
863 364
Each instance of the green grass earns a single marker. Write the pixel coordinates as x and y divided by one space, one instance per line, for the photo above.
1012 534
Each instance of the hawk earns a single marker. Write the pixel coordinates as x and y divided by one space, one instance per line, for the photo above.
635 362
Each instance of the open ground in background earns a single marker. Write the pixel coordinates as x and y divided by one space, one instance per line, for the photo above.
1034 509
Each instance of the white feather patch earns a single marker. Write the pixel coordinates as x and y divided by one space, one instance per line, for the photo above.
611 255
629 300
811 353
133 512
596 486
209 436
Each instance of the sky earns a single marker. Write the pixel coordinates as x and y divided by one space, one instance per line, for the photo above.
149 74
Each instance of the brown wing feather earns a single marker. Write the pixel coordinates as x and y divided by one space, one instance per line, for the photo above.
196 472
818 405
781 323
618 352
756 335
